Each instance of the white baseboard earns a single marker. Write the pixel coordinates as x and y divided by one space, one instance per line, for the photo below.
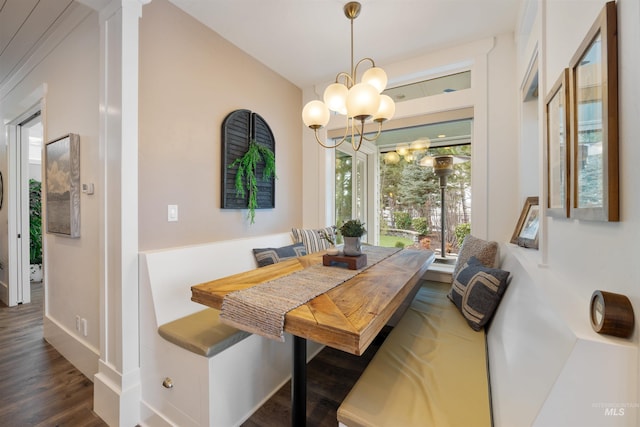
81 354
116 398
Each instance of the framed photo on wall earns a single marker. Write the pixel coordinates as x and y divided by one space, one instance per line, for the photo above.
594 121
526 232
62 186
557 146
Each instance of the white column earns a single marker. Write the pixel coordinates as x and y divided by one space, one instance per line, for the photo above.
117 383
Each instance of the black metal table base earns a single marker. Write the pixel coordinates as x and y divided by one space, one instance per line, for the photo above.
299 383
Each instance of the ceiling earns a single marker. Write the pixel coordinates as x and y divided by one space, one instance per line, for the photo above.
305 41
24 25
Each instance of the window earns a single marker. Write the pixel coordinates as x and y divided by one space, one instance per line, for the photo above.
410 192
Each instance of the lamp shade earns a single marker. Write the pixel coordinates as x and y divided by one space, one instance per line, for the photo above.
335 97
315 114
376 77
386 110
443 165
363 101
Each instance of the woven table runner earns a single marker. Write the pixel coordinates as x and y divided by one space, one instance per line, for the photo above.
261 308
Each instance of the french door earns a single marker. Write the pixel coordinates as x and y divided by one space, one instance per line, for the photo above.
355 188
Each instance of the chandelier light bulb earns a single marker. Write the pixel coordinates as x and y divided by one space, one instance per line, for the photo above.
391 158
402 149
335 98
426 161
386 110
363 101
315 114
376 77
420 144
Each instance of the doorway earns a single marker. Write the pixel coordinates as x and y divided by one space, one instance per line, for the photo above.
25 164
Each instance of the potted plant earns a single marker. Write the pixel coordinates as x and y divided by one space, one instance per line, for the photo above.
35 230
246 174
330 238
352 230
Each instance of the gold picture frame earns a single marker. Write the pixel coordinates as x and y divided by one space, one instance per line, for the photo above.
558 148
526 232
594 121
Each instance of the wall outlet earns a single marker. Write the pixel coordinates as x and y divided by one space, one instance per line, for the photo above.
78 323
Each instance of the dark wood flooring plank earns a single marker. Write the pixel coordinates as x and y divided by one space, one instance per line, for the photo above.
40 387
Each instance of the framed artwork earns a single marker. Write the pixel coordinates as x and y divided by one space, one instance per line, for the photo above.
62 186
594 122
557 148
526 232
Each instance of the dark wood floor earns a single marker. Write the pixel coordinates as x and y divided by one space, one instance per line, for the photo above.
41 388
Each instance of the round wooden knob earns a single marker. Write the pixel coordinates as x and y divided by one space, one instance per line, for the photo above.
611 314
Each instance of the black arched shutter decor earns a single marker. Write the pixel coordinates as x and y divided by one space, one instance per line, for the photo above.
238 128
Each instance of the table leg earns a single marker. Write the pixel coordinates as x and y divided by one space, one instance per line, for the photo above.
299 383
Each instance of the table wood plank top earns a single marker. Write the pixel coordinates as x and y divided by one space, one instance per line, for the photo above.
347 317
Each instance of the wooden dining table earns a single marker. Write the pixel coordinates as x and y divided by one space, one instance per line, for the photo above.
347 317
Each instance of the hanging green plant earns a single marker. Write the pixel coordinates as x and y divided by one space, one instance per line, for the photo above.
246 180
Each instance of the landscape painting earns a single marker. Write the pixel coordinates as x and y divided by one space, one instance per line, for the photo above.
62 184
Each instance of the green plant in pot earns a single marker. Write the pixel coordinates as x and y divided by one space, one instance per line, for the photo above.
246 179
352 230
35 229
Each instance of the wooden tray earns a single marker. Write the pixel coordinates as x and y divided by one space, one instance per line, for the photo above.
352 262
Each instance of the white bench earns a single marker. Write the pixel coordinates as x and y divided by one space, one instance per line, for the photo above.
229 374
548 367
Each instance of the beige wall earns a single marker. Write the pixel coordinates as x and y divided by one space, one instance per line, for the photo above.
191 78
68 78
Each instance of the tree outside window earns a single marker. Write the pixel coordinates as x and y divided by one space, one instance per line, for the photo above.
410 202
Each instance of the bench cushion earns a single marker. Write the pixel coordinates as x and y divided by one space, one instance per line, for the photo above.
430 371
202 333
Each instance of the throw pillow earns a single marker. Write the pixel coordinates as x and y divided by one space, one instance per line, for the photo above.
268 256
486 252
312 239
477 290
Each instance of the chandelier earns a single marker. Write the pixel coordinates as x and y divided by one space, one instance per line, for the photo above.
357 101
411 152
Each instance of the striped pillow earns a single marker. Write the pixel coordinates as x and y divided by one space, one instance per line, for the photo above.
268 256
477 291
312 239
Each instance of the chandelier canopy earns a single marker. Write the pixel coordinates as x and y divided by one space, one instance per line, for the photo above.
358 101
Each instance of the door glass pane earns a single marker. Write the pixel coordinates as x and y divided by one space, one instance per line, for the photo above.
344 191
361 191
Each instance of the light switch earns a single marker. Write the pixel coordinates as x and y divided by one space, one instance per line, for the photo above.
172 213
